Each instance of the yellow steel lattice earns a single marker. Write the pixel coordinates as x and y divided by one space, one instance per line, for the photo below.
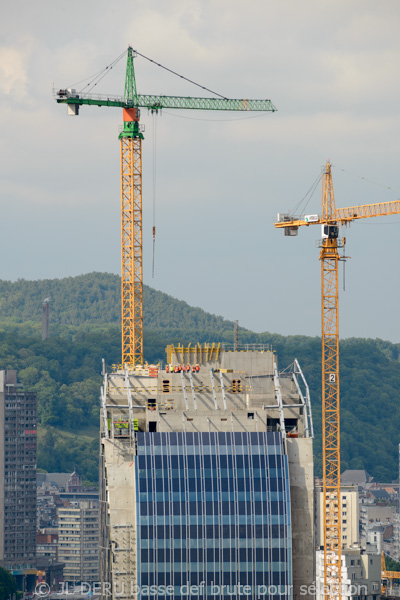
131 251
330 401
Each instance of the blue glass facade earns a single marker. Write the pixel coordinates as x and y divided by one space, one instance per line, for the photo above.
213 514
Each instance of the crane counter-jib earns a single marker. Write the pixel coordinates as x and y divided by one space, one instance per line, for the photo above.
295 223
155 103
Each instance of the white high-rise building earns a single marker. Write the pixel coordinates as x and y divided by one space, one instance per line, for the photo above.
78 541
360 573
350 516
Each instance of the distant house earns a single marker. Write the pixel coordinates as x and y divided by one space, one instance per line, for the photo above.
356 477
380 495
388 533
74 483
60 480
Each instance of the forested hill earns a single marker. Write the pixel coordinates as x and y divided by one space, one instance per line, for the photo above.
96 299
64 370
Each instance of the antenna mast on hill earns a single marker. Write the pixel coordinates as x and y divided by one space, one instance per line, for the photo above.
235 335
45 318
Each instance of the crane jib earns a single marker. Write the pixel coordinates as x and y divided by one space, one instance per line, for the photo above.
156 103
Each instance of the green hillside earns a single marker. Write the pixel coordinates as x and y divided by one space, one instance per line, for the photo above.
95 299
65 369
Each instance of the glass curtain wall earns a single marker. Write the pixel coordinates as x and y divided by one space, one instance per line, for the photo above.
213 514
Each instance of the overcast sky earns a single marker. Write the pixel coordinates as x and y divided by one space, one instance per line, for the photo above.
331 69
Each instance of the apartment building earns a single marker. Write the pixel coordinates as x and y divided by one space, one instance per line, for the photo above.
78 541
360 575
17 480
350 515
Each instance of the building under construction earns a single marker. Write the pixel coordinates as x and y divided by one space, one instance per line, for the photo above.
207 477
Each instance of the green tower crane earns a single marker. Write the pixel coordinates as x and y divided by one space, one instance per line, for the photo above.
131 184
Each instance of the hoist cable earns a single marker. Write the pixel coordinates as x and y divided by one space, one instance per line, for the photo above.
237 118
310 193
154 185
181 76
103 72
366 179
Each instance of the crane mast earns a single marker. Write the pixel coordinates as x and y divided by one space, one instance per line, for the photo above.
329 258
131 226
131 186
131 239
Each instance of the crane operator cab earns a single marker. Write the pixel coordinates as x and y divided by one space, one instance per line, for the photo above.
330 231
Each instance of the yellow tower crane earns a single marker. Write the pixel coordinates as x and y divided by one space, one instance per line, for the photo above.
387 578
131 184
330 220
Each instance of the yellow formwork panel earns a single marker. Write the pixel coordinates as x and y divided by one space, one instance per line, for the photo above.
193 354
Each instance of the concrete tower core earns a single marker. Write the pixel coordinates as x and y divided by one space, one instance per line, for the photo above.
206 478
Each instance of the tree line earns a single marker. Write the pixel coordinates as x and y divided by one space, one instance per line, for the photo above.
65 369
